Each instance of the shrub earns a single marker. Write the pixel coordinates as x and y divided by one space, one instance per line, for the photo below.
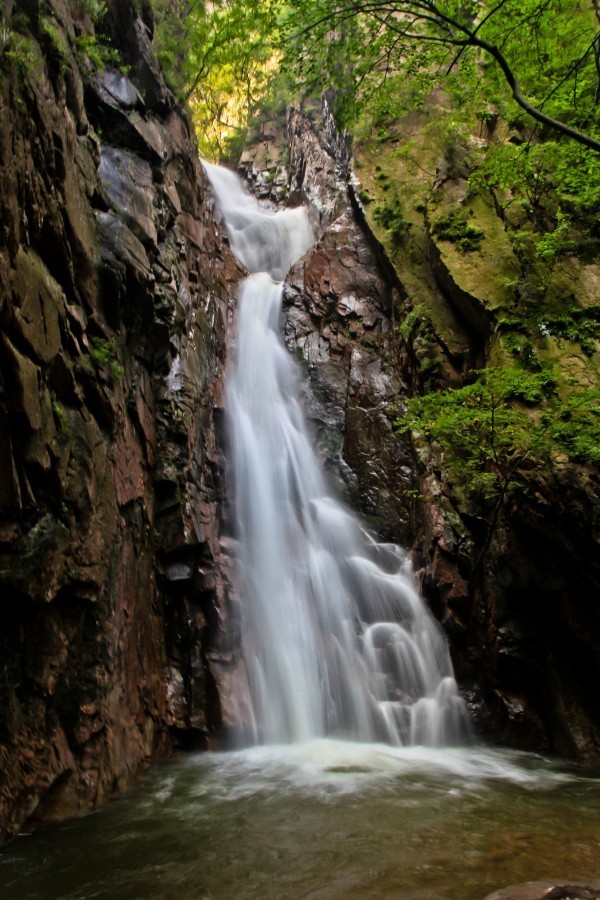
454 228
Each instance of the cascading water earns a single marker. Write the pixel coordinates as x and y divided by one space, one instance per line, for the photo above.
337 641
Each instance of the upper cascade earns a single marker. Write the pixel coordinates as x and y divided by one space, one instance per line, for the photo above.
263 242
337 641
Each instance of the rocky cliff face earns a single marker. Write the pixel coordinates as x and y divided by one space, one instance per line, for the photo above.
338 320
522 620
520 603
116 288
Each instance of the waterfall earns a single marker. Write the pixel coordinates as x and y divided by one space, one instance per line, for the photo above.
337 641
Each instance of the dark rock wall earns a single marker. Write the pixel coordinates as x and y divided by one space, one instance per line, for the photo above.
528 630
338 320
116 287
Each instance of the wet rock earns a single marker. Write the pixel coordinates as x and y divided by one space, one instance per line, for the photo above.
117 108
318 161
337 305
122 90
127 273
127 180
107 464
549 890
132 34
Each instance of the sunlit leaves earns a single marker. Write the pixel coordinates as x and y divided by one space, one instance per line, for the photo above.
220 56
387 50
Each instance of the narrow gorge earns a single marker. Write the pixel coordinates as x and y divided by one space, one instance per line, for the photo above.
232 566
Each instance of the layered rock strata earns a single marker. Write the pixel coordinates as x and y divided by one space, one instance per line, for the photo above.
116 288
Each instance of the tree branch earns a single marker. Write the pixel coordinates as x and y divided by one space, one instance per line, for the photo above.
537 114
441 28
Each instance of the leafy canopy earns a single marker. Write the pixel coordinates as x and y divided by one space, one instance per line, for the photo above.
507 417
220 57
540 56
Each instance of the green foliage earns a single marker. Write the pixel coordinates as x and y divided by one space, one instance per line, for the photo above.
578 324
385 58
449 133
103 356
576 428
95 9
17 50
220 57
454 227
382 69
94 54
530 282
60 418
483 432
54 43
556 187
543 177
408 324
488 430
392 218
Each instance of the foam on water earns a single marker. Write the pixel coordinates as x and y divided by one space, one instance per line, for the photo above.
332 767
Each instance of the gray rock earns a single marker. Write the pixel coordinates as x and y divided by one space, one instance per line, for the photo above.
127 180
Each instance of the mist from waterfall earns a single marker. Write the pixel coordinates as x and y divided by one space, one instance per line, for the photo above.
337 641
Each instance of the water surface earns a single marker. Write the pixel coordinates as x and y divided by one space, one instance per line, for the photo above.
326 819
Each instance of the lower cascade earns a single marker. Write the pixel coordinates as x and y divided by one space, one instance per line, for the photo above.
337 641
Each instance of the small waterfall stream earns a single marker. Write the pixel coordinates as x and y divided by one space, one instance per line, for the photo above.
337 641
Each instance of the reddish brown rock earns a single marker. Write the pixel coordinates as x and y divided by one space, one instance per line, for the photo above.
112 328
337 306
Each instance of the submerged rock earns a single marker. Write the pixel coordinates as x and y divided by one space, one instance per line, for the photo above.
549 890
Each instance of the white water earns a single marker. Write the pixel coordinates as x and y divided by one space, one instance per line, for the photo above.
328 767
337 642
